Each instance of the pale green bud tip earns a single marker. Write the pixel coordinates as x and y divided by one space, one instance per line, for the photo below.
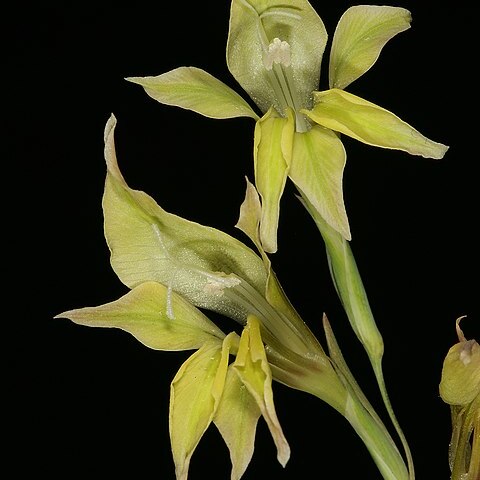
460 382
278 52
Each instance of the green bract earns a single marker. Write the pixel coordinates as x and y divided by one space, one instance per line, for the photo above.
274 51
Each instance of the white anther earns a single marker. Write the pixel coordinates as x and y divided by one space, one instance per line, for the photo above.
216 284
278 52
466 352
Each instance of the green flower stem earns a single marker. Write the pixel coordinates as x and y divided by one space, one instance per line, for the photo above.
321 381
351 292
382 449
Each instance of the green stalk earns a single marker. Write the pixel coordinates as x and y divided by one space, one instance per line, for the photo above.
382 449
333 387
351 292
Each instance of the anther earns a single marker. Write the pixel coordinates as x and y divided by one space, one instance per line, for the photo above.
278 53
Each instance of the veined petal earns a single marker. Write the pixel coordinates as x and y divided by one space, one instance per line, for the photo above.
361 33
194 398
317 166
149 244
351 115
236 419
273 144
254 24
249 222
252 366
158 318
194 89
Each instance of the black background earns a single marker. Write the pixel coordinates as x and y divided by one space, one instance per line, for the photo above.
93 403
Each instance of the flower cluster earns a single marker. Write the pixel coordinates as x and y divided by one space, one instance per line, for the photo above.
175 268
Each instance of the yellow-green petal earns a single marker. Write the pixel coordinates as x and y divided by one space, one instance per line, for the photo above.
158 318
149 244
254 24
351 115
194 398
272 151
317 166
194 89
236 419
361 33
254 371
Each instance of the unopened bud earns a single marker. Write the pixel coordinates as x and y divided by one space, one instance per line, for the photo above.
460 382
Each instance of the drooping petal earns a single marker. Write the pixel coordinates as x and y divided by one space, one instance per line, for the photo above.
194 397
158 318
236 419
254 24
317 166
194 89
361 33
252 366
149 244
351 115
273 144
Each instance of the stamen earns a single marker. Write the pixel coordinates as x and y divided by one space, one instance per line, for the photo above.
217 282
466 353
278 53
277 59
276 324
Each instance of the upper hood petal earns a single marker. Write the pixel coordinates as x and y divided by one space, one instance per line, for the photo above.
361 33
253 26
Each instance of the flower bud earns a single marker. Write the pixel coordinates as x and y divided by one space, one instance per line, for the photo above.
460 382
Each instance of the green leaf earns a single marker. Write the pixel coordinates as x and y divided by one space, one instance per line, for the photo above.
317 166
254 24
351 115
361 33
236 419
158 318
194 398
149 244
194 89
272 152
252 366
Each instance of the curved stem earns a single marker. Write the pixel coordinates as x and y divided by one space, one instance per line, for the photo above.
332 384
377 368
